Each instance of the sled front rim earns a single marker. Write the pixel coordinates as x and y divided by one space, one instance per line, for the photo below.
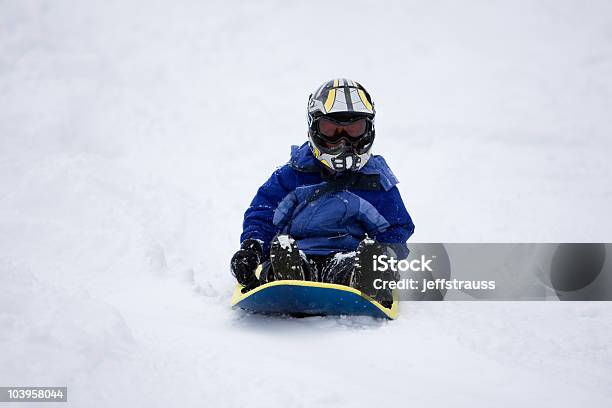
238 296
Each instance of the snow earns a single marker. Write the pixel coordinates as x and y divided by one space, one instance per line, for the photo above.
286 242
134 134
343 255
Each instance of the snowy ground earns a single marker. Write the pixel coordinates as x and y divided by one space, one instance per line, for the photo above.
133 135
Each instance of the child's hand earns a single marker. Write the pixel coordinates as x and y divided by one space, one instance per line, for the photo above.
245 261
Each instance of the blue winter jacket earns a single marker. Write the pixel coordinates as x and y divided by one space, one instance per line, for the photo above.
337 220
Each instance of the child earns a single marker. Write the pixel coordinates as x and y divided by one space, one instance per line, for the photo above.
331 205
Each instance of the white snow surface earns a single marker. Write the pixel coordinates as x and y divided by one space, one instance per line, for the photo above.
133 136
285 242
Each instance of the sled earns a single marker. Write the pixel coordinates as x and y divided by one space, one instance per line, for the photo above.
305 298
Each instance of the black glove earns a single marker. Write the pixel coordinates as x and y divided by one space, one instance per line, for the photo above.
246 260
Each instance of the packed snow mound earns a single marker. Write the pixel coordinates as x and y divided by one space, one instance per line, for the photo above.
133 135
52 335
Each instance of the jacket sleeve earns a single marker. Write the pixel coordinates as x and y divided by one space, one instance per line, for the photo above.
258 218
391 206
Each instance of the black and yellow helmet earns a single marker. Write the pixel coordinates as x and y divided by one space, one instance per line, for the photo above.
341 124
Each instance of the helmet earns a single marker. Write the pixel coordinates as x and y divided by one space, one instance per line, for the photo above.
341 124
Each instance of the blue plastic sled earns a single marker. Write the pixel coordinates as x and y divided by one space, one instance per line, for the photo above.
303 298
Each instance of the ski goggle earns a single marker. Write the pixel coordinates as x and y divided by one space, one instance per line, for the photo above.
333 131
344 144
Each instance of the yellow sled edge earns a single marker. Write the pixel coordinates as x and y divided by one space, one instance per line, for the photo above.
392 313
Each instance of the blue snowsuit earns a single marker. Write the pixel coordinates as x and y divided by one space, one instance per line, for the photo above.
337 220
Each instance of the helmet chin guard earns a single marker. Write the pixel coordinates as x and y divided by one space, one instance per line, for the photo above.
342 161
